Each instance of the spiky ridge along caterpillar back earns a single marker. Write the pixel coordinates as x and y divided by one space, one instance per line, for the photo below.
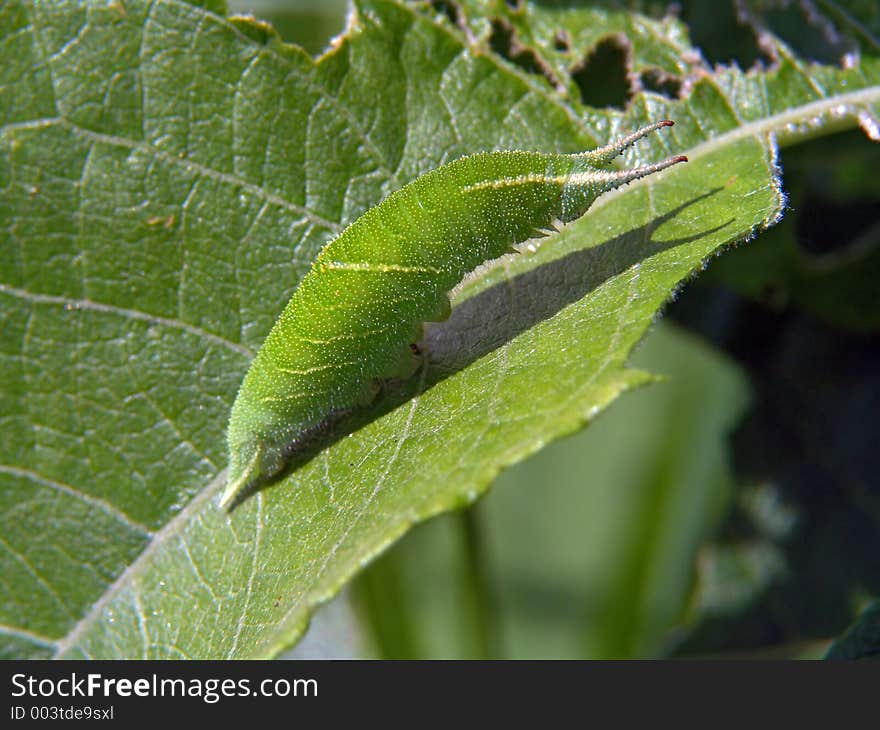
352 318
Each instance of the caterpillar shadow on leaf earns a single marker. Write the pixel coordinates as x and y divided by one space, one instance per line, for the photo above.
482 324
493 317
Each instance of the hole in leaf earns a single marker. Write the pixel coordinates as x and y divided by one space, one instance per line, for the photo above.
722 35
660 82
504 42
561 42
449 9
602 76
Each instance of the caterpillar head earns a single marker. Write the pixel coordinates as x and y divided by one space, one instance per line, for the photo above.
254 459
589 175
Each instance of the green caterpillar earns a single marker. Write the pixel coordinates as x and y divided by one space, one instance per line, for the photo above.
354 316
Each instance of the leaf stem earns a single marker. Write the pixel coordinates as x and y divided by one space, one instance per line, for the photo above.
478 587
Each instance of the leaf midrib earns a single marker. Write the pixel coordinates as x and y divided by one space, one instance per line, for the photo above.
761 129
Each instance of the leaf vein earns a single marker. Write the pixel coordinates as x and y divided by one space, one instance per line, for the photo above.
91 305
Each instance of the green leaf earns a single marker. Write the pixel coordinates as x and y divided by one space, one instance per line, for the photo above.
167 176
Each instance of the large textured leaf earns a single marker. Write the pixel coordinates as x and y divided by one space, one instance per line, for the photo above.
167 176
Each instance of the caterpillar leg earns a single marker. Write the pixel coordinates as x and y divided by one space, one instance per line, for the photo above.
442 313
407 363
368 393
